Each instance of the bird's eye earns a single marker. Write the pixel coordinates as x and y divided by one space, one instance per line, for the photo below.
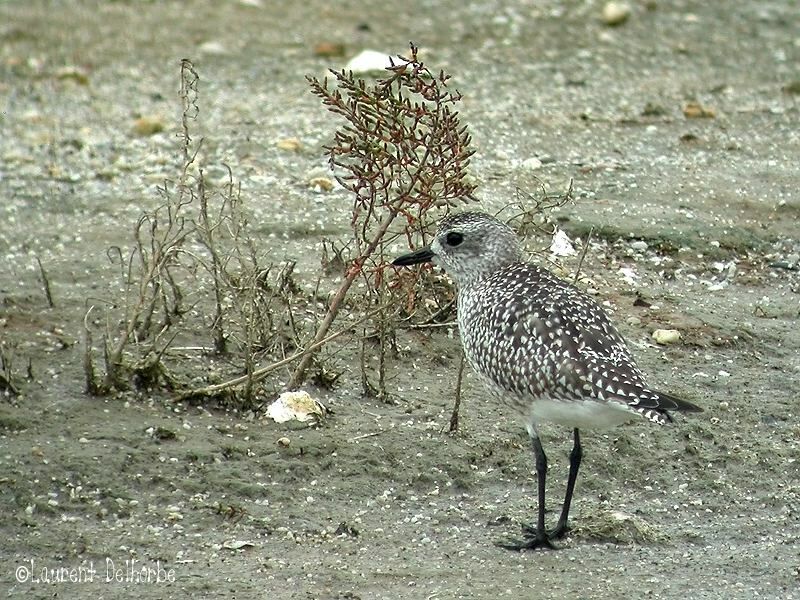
454 238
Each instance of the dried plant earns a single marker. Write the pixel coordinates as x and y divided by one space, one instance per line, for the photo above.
533 211
193 268
402 152
7 375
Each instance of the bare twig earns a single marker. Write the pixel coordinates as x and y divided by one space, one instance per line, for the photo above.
335 304
92 387
366 435
7 373
367 389
419 326
583 254
207 237
454 416
45 283
188 94
258 374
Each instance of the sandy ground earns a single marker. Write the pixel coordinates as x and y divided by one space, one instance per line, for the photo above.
379 502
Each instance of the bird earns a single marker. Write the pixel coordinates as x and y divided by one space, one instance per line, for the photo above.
541 346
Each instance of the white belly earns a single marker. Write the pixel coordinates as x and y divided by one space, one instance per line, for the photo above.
583 414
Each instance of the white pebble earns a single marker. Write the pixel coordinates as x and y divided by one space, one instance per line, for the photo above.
531 163
616 13
213 48
561 244
666 336
370 61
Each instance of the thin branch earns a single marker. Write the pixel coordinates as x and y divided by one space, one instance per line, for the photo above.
45 283
259 374
454 416
583 254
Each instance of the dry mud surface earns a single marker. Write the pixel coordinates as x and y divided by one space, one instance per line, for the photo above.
379 502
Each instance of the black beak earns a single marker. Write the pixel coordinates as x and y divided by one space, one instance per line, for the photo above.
422 255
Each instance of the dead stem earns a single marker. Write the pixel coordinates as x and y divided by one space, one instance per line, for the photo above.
583 255
45 283
259 374
454 416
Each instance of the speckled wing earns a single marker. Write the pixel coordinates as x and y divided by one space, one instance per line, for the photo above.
557 343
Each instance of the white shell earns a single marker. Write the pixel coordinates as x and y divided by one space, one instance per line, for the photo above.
299 406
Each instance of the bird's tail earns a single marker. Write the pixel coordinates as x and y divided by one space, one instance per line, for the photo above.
670 402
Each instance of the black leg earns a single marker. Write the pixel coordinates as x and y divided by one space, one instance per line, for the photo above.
541 476
574 464
535 537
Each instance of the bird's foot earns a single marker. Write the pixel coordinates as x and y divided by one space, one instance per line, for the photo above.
533 538
561 529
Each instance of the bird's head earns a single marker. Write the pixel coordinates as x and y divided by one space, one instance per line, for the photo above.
469 246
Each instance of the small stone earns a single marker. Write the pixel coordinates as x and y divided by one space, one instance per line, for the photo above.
695 110
289 144
213 48
531 163
284 441
639 245
666 336
790 263
321 184
616 13
716 287
653 110
32 116
148 125
724 405
633 321
75 74
238 544
329 49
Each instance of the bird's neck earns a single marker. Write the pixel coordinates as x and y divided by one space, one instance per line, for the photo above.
476 276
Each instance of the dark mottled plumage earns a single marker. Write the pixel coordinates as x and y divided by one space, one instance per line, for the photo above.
539 344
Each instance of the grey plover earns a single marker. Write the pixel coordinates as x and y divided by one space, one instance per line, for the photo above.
542 346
